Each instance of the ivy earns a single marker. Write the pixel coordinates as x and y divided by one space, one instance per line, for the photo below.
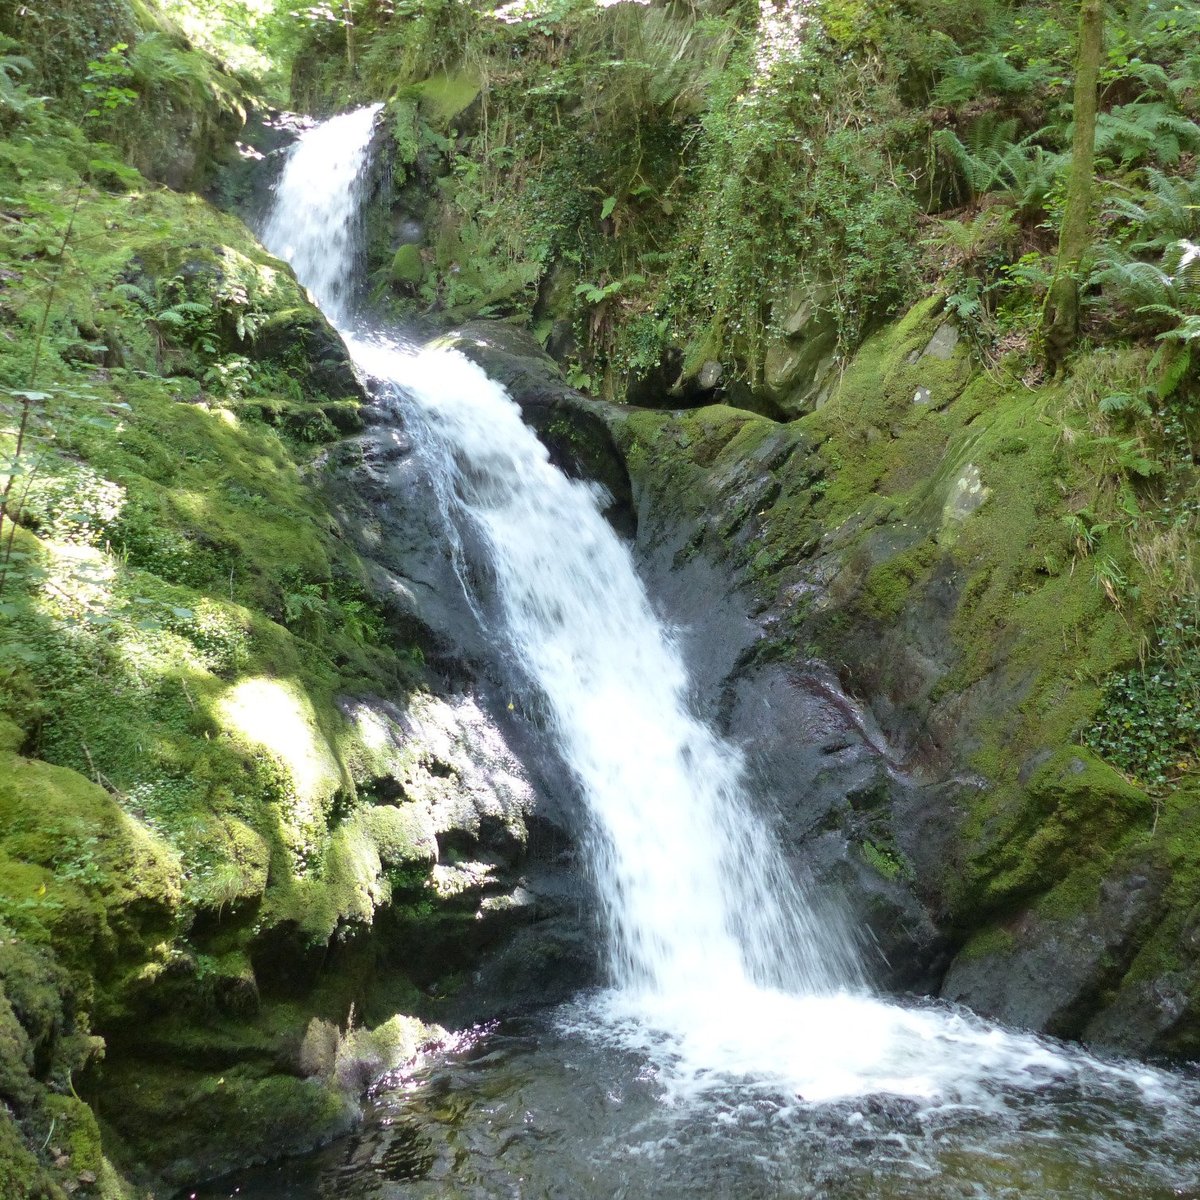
1148 725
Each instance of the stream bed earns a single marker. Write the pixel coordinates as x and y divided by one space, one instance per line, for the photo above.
582 1103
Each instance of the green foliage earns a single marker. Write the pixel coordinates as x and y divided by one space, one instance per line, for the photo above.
16 100
995 161
1148 724
988 72
1161 298
105 88
251 40
1145 132
778 198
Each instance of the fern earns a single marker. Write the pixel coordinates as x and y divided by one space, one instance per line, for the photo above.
183 313
1143 132
1188 329
991 162
130 291
969 76
1127 404
157 64
1166 297
1152 77
1146 288
1158 221
15 97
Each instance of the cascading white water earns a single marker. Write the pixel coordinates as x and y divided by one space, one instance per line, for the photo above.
691 881
314 222
722 970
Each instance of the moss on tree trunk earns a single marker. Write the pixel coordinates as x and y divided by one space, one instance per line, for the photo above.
1060 322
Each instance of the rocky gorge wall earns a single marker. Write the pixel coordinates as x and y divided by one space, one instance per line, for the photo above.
890 566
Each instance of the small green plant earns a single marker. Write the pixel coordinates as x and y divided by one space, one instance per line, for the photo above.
106 87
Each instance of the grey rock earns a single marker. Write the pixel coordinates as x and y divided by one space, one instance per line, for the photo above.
967 493
943 343
1050 974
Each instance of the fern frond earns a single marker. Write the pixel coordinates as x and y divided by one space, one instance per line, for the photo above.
1188 330
1144 131
1155 79
969 75
14 64
130 291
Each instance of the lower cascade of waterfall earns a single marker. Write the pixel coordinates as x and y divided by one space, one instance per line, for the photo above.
738 1051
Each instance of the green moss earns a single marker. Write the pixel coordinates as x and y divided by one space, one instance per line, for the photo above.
993 942
22 1177
181 621
77 1134
229 863
401 836
77 870
878 438
196 1125
408 266
1072 815
887 585
444 96
882 860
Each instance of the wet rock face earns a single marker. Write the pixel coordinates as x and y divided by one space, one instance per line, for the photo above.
513 911
1051 973
815 758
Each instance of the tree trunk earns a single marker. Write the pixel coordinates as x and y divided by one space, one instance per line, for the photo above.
1060 319
348 22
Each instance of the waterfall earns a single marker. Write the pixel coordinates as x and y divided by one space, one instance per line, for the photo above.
692 883
314 222
722 966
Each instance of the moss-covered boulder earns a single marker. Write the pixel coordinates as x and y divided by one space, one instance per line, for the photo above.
229 804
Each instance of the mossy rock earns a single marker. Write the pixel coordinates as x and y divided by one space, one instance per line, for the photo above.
402 835
1074 811
232 862
188 1125
78 871
16 1058
408 267
22 1176
445 96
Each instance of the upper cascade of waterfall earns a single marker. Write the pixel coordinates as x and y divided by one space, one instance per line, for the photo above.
316 217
